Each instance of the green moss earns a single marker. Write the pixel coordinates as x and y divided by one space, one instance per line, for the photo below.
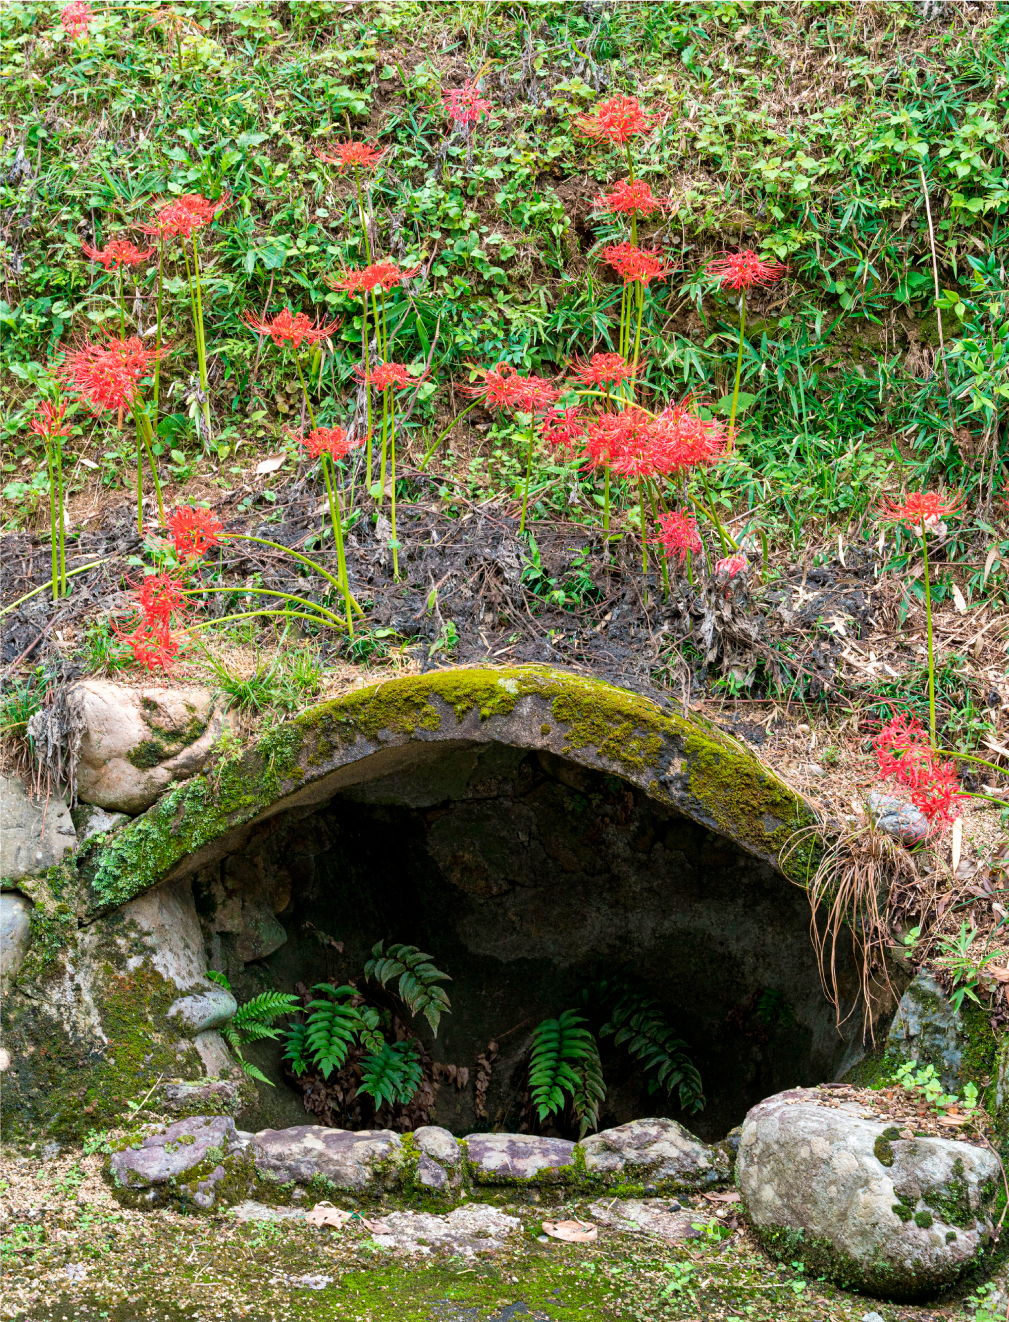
883 1151
923 1219
952 1200
901 1212
150 753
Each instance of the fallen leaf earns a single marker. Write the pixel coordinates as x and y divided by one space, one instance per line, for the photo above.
722 1197
88 463
376 1227
1000 975
574 1232
325 1214
954 1120
992 557
957 843
959 601
270 465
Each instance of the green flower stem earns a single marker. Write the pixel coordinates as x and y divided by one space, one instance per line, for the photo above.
53 542
441 436
392 463
59 516
525 488
336 515
286 614
644 541
655 519
724 536
304 390
70 573
140 478
928 626
201 342
146 430
305 560
383 458
606 499
122 306
157 346
267 592
641 309
739 366
364 221
367 387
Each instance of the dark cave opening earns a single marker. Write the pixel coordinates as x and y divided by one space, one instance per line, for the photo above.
528 879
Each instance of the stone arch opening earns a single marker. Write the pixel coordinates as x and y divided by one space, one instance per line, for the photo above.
528 877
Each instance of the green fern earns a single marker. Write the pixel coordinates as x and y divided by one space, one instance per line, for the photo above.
253 1021
298 1051
589 1095
418 979
637 1022
557 1070
331 1029
391 1074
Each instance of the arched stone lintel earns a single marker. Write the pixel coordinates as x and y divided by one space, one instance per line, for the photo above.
401 724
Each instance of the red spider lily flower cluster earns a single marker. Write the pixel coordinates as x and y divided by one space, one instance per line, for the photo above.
193 532
686 439
464 105
629 198
564 427
636 444
379 275
153 645
745 270
617 120
504 389
74 19
48 422
903 750
633 263
291 328
159 597
384 375
678 534
181 216
732 565
920 509
604 369
116 253
106 375
328 440
357 155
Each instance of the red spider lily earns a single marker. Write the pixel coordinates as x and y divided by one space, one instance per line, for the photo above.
74 19
732 565
936 794
183 215
686 440
896 739
328 440
384 375
633 263
631 197
564 427
604 369
504 389
920 508
903 750
159 596
107 375
193 532
48 422
116 253
465 105
616 120
622 441
379 275
153 646
290 328
745 270
356 154
678 534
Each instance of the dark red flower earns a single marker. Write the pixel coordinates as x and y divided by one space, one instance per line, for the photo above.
633 263
107 375
384 375
604 369
678 534
193 531
629 198
75 17
289 328
358 155
116 253
744 270
465 105
48 422
182 215
617 120
379 275
159 596
505 389
328 440
564 427
920 509
153 646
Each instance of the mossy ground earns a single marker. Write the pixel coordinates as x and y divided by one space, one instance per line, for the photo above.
167 1267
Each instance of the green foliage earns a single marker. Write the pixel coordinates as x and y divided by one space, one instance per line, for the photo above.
564 1064
964 967
418 979
19 702
925 1080
332 1028
392 1073
637 1022
253 1021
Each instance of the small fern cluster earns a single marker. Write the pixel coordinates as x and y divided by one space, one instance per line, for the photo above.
565 1063
418 980
253 1021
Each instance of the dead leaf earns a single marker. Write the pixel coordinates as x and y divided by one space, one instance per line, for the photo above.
722 1197
325 1214
957 843
573 1232
992 557
376 1227
952 1121
1000 975
958 601
270 465
907 1133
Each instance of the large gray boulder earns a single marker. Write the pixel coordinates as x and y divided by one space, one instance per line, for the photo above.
34 834
439 1163
186 1165
15 936
137 742
366 1161
656 1153
928 1030
900 1218
519 1159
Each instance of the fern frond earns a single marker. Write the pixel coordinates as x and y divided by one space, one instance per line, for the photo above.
297 1051
559 1046
590 1093
263 1009
253 1071
219 978
418 979
391 1074
638 1023
331 1028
